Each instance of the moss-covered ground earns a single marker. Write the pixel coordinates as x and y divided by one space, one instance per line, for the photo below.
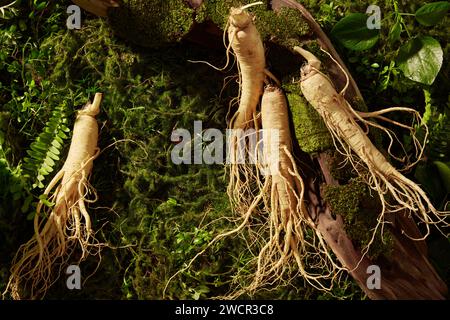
155 215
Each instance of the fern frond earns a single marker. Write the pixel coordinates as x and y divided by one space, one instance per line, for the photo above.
43 154
439 124
440 139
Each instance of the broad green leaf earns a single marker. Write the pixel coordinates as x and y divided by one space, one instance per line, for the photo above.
444 172
432 13
352 32
420 59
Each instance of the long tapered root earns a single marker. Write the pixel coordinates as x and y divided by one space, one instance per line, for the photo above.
289 243
39 262
293 238
247 46
65 226
396 192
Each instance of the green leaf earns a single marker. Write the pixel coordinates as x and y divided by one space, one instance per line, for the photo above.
28 166
45 201
432 13
394 33
31 215
444 172
59 140
171 202
64 128
38 147
53 156
45 168
56 144
420 59
35 153
352 32
62 135
49 162
53 150
22 25
26 204
41 6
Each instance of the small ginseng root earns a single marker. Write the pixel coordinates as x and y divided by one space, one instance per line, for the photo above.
293 237
66 224
285 238
396 192
247 46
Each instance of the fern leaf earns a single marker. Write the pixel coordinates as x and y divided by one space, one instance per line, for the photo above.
43 154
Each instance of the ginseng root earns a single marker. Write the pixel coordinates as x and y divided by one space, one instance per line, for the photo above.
396 192
247 46
59 228
289 242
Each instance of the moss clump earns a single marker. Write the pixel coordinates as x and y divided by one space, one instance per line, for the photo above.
152 23
360 212
216 11
284 27
310 130
341 169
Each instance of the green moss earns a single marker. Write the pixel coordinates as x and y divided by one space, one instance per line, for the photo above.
340 169
216 11
152 23
285 27
360 212
310 130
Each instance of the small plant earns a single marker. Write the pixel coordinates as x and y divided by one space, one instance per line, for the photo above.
45 150
420 58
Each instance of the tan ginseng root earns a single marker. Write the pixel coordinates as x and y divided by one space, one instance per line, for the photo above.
396 192
247 46
293 238
58 229
286 237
